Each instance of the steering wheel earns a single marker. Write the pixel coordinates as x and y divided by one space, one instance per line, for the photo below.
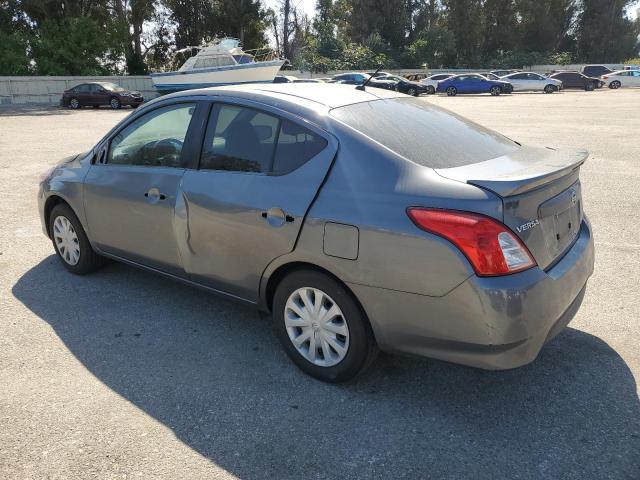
156 153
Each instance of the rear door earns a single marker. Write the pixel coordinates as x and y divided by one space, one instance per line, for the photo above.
519 81
259 171
130 192
83 94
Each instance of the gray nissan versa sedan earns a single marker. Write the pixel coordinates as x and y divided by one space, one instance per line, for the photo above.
361 219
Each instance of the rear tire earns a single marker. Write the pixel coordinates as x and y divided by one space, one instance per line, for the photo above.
430 90
355 347
590 87
68 235
452 91
74 103
615 85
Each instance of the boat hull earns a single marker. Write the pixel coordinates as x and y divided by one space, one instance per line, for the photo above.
258 72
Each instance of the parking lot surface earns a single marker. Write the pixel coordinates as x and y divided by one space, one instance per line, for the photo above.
123 374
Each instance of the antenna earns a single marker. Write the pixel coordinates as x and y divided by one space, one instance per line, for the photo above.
364 84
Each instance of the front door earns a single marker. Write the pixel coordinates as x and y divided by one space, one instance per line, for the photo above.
130 192
259 173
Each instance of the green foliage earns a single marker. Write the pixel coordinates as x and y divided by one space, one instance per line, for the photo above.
517 59
435 47
14 58
560 58
76 46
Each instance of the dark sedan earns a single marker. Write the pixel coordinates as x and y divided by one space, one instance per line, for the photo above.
577 80
96 94
403 85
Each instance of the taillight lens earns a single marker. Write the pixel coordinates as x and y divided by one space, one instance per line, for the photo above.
489 245
604 77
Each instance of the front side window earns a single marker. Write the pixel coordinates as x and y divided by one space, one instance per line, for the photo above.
153 140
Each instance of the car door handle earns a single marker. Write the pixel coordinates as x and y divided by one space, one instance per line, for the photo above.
276 217
155 194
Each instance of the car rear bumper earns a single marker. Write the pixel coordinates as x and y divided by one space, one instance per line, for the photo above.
486 322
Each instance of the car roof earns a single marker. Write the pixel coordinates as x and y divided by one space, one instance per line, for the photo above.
329 95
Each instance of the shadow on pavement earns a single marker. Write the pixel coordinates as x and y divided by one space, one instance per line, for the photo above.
213 372
27 110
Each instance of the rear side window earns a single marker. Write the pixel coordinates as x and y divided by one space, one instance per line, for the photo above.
423 133
296 145
239 139
242 139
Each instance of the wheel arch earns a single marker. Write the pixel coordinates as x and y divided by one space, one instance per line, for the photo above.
49 205
275 277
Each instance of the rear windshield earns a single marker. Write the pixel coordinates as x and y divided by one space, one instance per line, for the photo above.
423 133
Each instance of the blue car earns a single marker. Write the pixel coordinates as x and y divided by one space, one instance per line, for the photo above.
473 83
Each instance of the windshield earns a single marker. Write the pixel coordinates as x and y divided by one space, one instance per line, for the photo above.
112 87
423 133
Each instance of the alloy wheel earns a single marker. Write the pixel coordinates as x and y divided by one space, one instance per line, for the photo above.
74 103
316 327
614 85
66 240
495 91
114 103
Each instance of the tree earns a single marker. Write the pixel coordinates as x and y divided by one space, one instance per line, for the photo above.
605 33
464 20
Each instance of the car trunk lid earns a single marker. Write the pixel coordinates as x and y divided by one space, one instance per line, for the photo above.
541 195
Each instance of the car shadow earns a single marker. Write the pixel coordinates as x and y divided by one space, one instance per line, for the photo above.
212 371
32 110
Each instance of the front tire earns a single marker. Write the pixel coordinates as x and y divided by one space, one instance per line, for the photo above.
71 243
549 89
322 328
615 85
452 91
590 87
114 103
495 91
413 92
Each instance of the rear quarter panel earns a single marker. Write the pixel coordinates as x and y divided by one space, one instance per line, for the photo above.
370 188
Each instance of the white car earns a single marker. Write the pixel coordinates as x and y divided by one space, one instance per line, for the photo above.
622 78
532 82
433 80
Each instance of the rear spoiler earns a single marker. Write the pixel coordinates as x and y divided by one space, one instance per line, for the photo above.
520 171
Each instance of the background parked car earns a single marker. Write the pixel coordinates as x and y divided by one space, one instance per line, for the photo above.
595 70
403 85
307 80
577 80
416 77
502 73
284 79
433 80
532 82
351 78
473 83
490 76
622 78
96 94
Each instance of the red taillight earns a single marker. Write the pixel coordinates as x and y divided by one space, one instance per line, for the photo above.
604 77
489 245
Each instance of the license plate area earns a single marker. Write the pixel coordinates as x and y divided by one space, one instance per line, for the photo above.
561 216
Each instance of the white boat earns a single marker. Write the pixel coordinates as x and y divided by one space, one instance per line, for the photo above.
223 62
